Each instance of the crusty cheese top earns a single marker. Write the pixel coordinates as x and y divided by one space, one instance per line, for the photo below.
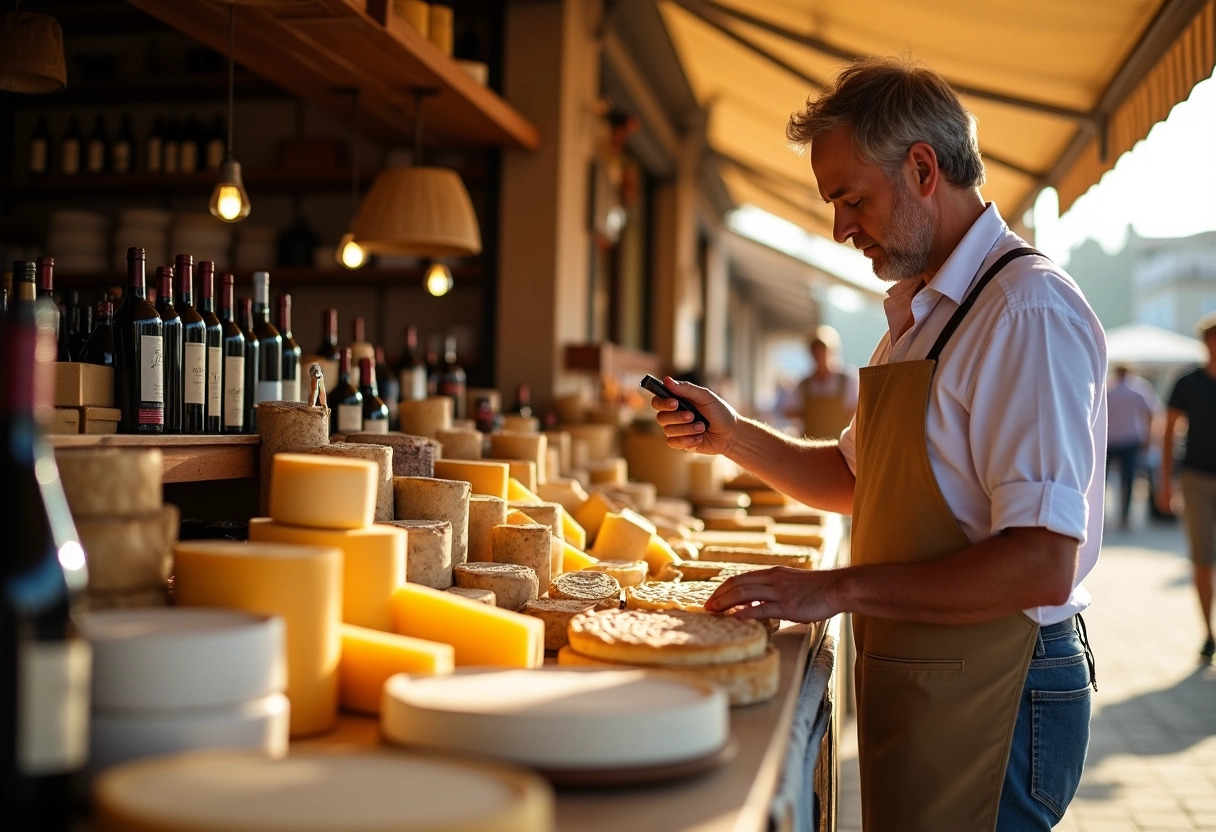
589 585
670 595
666 637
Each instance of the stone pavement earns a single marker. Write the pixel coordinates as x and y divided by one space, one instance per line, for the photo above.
1152 754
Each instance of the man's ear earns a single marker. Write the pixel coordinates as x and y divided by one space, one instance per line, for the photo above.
923 160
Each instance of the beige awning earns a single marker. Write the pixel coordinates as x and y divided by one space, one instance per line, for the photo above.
1061 88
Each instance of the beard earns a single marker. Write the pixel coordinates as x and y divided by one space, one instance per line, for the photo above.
909 239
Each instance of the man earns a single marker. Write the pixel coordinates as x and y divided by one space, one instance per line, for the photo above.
1131 405
826 399
1193 402
971 470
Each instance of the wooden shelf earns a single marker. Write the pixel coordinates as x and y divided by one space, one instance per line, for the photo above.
290 276
187 458
176 88
143 184
318 48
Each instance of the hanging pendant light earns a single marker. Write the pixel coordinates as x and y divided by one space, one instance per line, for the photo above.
229 202
349 253
31 53
439 280
418 210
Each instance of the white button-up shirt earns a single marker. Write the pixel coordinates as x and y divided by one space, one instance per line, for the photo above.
1016 422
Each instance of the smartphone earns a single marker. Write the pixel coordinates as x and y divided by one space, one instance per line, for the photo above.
658 388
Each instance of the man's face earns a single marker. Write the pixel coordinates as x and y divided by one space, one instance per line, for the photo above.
881 217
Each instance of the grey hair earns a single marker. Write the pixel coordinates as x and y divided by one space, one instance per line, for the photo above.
890 104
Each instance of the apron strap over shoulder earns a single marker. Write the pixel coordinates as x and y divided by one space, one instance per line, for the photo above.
969 301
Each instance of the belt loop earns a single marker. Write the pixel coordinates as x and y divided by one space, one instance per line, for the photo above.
1040 649
1089 654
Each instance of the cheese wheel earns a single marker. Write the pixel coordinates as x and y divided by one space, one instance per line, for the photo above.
485 512
605 719
798 557
461 444
703 570
599 588
667 637
483 596
481 634
483 476
426 417
303 584
556 613
428 548
370 657
670 595
520 424
706 474
513 585
527 545
547 514
745 682
511 444
382 455
129 552
413 456
108 482
627 572
323 492
373 564
321 791
431 498
183 657
612 471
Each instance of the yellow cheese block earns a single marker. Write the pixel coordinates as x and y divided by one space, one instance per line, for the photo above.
572 532
302 584
659 556
565 490
591 513
369 657
517 492
623 535
575 559
484 476
373 564
523 470
480 634
507 444
323 492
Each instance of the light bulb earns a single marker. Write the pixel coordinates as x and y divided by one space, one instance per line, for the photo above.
229 202
350 253
439 279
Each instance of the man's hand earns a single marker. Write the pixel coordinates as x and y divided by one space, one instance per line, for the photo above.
686 434
781 592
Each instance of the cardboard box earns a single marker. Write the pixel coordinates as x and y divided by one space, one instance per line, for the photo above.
78 384
64 420
99 419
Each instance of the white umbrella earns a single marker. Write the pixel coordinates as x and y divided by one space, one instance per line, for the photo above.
1144 346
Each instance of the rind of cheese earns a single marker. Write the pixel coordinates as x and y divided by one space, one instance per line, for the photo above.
382 455
567 491
370 657
480 634
413 456
428 548
702 570
533 447
426 417
667 637
627 572
434 498
527 545
483 596
130 552
323 492
590 585
745 682
798 557
109 482
574 559
670 595
485 512
611 471
556 613
461 444
623 535
513 585
737 539
484 476
591 513
373 564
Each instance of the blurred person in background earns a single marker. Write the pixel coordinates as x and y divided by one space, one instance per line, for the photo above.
1191 412
826 399
1131 406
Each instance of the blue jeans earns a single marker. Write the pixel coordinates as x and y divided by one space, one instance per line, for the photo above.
1051 736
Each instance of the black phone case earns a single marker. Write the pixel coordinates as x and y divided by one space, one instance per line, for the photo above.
658 388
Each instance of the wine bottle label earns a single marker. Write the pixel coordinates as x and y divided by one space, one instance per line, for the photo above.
234 391
188 157
375 425
53 706
38 154
122 158
291 390
413 383
152 369
350 418
95 157
215 360
170 157
215 154
71 156
194 372
155 148
269 391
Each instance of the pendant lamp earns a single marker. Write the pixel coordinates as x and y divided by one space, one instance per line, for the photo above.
418 210
229 202
31 53
349 253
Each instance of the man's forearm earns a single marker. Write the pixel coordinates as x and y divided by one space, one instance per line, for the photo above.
812 472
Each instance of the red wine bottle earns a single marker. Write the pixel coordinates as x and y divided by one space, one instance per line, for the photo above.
173 351
345 400
411 369
375 411
215 346
232 405
452 379
329 336
244 317
139 376
194 350
270 343
44 663
99 349
292 388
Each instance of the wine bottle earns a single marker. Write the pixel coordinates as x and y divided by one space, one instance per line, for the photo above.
173 349
45 268
345 400
139 376
452 379
194 350
270 342
387 386
69 328
188 146
40 149
70 148
122 150
171 146
83 328
523 400
45 665
434 364
216 144
154 150
252 361
99 349
215 347
411 369
375 411
292 388
232 382
97 148
360 347
329 336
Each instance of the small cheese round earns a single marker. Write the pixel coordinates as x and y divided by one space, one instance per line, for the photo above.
556 613
666 637
108 482
587 585
670 595
511 583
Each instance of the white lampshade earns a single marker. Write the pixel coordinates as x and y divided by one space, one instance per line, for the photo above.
419 211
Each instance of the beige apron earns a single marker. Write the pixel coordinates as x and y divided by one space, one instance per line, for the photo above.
936 703
823 414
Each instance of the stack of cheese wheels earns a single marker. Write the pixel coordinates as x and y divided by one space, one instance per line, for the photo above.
116 499
321 791
167 680
730 652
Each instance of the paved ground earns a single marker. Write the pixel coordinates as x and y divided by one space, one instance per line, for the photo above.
1152 754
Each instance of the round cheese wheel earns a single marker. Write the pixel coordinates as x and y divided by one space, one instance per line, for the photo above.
109 482
183 657
559 718
321 792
